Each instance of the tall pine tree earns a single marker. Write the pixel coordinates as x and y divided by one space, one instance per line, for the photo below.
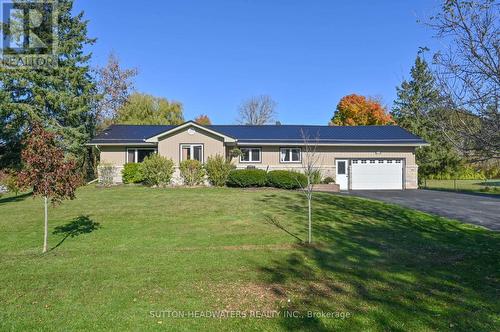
416 109
60 98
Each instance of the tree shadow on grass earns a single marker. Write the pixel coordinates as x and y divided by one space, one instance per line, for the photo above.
391 268
273 220
79 225
17 198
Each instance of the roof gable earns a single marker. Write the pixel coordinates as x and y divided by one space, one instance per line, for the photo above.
189 124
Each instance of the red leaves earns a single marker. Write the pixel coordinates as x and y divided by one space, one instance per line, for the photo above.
45 168
355 110
203 120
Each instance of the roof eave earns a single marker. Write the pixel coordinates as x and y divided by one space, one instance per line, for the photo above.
120 144
256 143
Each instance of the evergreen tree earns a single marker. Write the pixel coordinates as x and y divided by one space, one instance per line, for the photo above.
416 109
60 97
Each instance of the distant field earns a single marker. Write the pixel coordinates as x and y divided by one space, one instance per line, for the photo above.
480 186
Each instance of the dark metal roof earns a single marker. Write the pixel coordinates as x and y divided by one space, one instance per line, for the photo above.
122 134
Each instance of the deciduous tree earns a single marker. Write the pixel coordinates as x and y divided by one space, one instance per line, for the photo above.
311 160
143 109
47 171
203 120
115 84
356 110
468 73
257 111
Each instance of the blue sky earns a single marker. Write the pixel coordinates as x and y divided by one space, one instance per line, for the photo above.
211 55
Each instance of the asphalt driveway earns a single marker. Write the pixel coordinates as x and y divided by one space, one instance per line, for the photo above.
474 209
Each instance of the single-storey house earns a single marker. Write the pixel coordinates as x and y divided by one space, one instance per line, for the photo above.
357 157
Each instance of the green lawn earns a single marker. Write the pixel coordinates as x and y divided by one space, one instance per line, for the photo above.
152 252
476 186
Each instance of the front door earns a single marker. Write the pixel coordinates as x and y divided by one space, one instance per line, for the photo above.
342 177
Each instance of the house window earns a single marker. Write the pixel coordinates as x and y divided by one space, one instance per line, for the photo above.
138 155
290 155
250 155
372 161
363 161
192 152
380 161
398 161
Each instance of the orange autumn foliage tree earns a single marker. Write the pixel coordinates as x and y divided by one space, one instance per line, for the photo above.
203 120
355 110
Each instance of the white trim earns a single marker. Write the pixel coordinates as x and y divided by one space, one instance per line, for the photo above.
191 150
188 124
136 154
333 144
250 156
290 155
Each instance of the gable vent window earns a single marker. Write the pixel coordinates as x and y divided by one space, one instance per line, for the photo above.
290 155
138 155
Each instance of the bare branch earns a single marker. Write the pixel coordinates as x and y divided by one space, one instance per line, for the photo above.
257 111
468 73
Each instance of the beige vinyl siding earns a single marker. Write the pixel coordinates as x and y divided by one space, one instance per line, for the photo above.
169 146
328 154
115 155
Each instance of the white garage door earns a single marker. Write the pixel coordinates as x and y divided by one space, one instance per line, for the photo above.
377 174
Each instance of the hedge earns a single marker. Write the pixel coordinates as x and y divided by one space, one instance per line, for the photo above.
247 178
286 179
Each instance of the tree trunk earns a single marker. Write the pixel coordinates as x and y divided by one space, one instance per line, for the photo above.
46 228
309 215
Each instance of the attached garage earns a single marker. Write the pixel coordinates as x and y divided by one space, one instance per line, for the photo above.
369 174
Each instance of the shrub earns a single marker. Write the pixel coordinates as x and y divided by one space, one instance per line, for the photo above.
192 172
247 178
328 180
107 173
286 179
157 170
218 169
316 176
462 173
131 173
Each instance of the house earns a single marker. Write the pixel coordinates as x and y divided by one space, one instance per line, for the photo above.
357 157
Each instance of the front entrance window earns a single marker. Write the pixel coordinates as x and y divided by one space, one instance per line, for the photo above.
341 167
138 155
192 152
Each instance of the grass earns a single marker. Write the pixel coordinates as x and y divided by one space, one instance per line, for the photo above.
123 258
474 186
